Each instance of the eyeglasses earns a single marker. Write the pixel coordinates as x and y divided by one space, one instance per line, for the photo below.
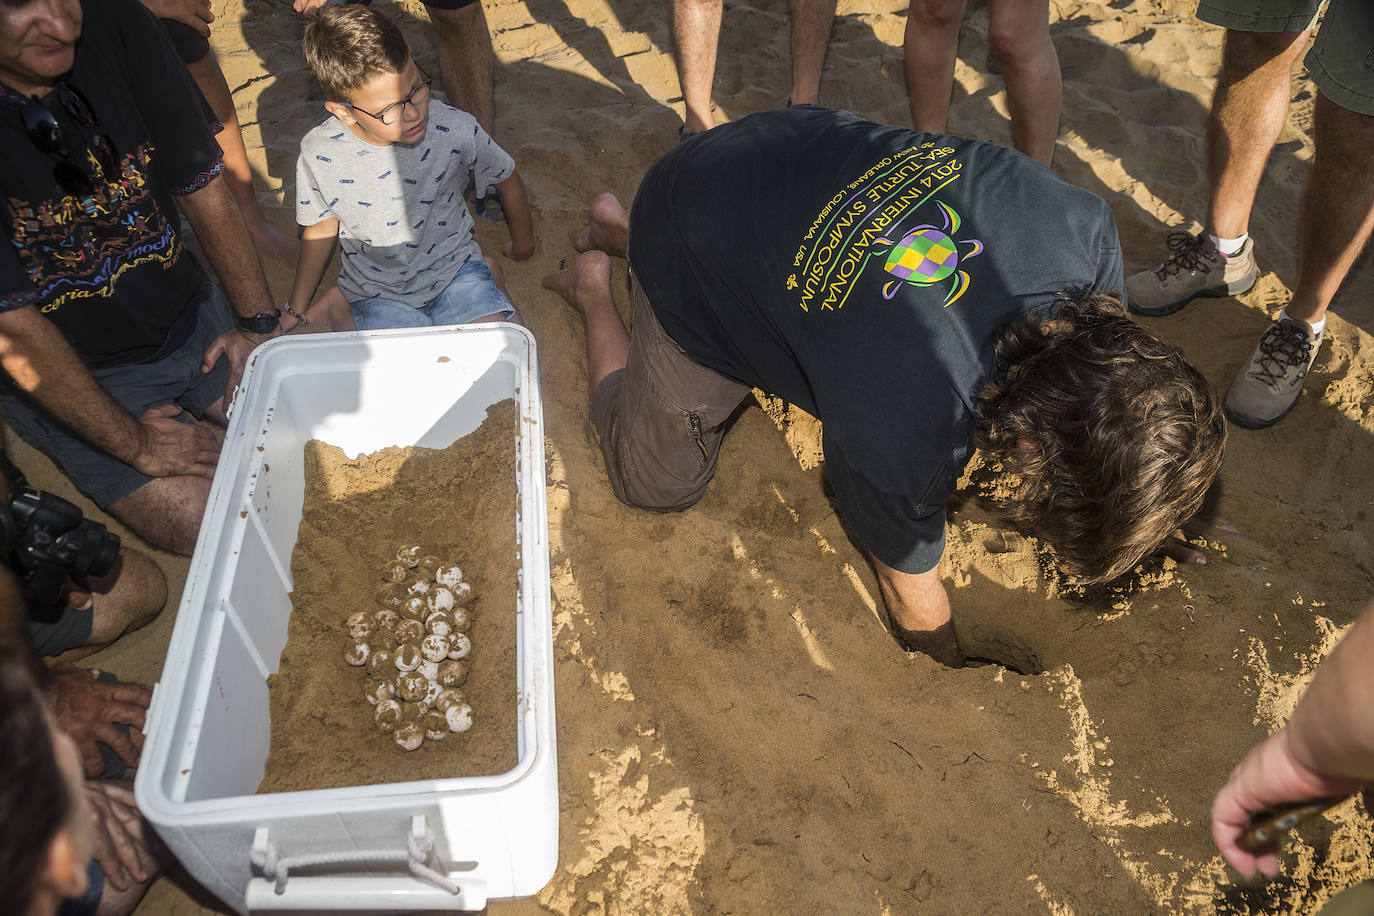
46 133
392 113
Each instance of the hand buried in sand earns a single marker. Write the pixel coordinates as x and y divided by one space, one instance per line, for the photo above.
1187 549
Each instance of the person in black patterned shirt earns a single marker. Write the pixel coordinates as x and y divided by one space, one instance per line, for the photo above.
110 330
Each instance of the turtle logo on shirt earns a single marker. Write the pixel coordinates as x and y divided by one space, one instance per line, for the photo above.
928 255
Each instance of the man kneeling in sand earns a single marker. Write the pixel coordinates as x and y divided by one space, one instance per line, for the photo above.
920 295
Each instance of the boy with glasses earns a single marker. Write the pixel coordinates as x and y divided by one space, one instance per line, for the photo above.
385 175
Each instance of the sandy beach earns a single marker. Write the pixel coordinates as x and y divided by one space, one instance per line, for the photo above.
737 732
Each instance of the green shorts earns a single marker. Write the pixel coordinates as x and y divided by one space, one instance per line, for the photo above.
1341 61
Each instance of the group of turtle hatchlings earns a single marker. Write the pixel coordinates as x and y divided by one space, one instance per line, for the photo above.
415 649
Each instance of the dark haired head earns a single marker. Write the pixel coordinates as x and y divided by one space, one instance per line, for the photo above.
1115 437
34 801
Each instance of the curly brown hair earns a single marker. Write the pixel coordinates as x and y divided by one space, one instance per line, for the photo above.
345 46
1115 437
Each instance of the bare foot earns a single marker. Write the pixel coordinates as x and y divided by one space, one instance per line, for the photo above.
586 282
607 229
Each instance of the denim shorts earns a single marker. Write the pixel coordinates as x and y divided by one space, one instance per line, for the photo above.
470 295
1341 61
174 379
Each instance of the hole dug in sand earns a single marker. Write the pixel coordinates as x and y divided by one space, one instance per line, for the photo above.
985 645
997 625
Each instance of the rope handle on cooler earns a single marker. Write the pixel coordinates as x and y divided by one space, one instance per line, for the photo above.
268 860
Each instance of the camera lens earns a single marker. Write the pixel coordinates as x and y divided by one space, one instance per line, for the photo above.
93 549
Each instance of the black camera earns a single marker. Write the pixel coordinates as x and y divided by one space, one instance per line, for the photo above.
45 539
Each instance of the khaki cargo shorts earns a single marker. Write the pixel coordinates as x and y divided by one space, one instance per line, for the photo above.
661 418
1341 61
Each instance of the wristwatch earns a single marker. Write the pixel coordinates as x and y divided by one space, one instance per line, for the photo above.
262 322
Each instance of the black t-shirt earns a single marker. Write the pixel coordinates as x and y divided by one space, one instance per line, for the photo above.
861 272
109 268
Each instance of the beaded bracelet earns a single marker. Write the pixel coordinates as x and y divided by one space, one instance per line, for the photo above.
300 319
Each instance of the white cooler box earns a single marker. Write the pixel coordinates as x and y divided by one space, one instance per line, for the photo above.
208 729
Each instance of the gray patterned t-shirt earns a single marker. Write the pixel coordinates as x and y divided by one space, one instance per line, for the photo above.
403 225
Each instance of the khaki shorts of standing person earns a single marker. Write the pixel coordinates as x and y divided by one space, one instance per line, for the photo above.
661 418
1341 61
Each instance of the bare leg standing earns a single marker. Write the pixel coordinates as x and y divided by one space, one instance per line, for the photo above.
811 22
1019 32
1249 108
696 33
466 61
1337 207
1334 224
929 49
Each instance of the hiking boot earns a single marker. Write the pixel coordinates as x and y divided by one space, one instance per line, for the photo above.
1194 268
1268 386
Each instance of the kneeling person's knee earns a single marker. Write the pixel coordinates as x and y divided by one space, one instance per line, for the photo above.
127 598
653 496
657 458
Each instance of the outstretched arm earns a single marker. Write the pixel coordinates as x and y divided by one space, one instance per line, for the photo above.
515 200
42 363
223 236
1326 749
918 609
318 243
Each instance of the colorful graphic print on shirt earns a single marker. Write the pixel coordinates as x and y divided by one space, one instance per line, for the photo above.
863 222
75 247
